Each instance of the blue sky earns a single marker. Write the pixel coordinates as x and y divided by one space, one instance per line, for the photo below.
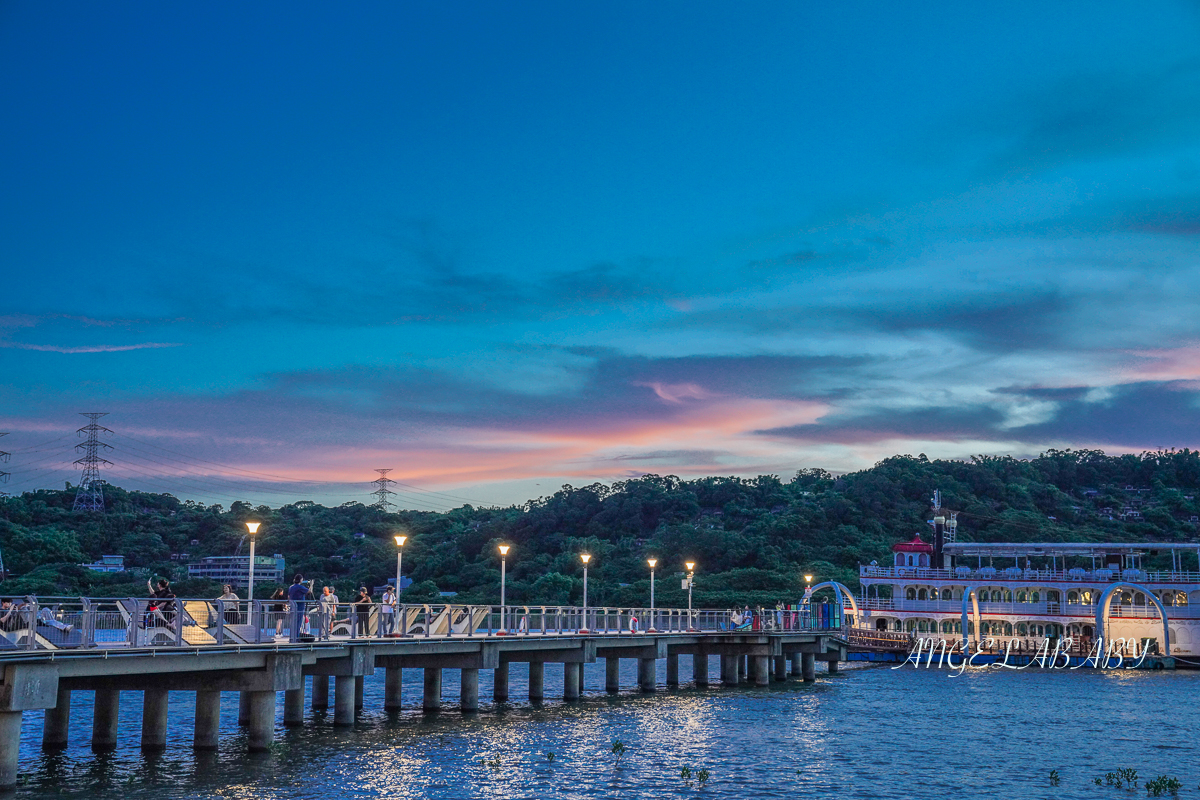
502 247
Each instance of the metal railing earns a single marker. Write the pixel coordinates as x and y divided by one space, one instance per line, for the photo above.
1040 608
57 623
1008 575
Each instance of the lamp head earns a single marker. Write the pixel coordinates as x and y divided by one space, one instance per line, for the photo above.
253 526
808 578
503 549
400 540
691 566
585 557
653 562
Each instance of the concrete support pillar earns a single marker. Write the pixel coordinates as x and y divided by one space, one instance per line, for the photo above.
393 683
646 677
673 669
781 668
833 667
433 689
500 683
700 669
320 691
743 667
208 720
57 721
359 684
293 707
262 721
571 681
537 681
470 690
612 674
808 667
762 670
795 657
729 670
104 719
343 700
244 709
10 747
582 672
154 719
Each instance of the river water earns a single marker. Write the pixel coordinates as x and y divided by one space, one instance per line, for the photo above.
868 731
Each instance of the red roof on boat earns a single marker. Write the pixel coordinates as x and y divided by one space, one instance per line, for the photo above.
915 546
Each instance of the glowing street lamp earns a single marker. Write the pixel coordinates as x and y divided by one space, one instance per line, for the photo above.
503 610
253 528
653 562
585 558
400 540
691 568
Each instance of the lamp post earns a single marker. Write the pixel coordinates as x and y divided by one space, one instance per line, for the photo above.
653 562
585 558
691 568
807 604
400 540
253 528
503 610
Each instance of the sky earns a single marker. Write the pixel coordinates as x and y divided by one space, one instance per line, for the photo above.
497 248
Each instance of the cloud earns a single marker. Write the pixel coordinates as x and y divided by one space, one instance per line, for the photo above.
929 424
96 348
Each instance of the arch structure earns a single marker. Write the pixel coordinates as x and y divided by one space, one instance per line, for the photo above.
971 595
843 594
1105 601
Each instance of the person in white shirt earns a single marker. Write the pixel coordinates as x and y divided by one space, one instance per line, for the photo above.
387 612
328 602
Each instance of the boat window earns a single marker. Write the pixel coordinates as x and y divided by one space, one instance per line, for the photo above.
910 593
1181 598
1126 599
1022 629
1051 597
1022 597
1035 598
996 596
1086 597
921 595
1072 598
1139 599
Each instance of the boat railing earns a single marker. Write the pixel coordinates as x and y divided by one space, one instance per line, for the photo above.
1015 575
1035 609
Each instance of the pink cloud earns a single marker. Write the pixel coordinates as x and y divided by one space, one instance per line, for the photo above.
97 348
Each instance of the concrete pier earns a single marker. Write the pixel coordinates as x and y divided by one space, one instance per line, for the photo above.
104 719
293 707
537 681
571 681
700 669
582 674
795 659
833 667
10 746
57 721
343 700
262 721
500 682
208 719
359 686
393 683
612 674
729 670
320 692
672 669
762 671
154 719
781 668
808 667
432 701
244 709
646 675
469 693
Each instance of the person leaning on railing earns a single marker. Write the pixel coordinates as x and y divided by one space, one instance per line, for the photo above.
387 612
362 611
231 609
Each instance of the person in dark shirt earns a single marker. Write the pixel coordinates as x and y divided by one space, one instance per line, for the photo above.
297 593
362 610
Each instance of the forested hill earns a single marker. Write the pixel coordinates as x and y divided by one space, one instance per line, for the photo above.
753 539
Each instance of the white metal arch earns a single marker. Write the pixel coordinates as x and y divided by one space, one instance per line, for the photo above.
971 594
843 594
1105 601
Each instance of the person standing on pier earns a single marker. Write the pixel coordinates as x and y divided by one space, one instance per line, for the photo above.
328 603
387 612
362 611
279 608
297 593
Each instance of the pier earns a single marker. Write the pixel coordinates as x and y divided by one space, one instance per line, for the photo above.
109 646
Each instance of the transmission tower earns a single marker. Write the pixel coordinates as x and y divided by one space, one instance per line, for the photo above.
3 475
90 496
382 492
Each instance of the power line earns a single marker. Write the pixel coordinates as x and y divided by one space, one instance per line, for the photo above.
4 476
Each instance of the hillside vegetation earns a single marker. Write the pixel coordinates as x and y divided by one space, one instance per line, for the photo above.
753 539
